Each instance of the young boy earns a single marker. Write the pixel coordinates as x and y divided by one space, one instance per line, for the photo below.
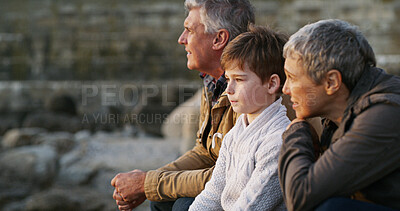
245 176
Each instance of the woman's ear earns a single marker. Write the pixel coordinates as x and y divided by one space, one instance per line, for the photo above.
333 81
221 39
273 84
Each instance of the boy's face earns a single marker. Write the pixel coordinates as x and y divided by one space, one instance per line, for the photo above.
246 92
309 99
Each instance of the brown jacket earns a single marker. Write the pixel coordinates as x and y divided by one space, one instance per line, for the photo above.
187 176
363 153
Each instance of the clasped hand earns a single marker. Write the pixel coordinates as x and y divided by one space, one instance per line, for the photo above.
129 189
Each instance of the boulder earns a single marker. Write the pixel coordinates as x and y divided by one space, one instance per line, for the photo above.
20 137
107 118
53 121
10 120
149 119
183 122
157 104
76 198
105 153
34 165
61 141
14 191
61 103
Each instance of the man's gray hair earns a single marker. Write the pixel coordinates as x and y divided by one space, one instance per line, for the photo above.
232 15
331 44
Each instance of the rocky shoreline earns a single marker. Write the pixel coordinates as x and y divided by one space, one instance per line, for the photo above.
61 153
44 170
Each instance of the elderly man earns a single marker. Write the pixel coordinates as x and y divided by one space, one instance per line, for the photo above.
331 73
209 26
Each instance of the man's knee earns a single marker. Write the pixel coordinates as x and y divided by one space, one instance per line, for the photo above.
347 204
182 204
178 205
161 206
332 204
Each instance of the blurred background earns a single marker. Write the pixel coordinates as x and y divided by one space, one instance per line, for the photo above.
90 88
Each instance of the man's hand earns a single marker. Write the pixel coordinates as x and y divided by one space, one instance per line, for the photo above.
123 205
129 189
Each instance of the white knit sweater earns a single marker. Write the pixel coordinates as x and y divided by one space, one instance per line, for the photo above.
246 172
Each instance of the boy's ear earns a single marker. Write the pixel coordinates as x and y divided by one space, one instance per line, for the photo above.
333 81
273 84
220 40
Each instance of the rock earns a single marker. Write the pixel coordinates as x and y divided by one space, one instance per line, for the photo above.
107 119
29 164
69 172
20 137
107 153
157 104
150 118
53 121
61 103
14 206
82 135
61 198
10 120
82 181
62 141
13 191
101 182
183 122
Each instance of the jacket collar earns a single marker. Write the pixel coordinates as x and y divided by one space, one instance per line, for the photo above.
367 80
365 84
223 101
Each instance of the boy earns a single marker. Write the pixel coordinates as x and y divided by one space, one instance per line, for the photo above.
245 176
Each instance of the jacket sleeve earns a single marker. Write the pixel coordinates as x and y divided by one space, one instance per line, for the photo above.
210 198
197 158
184 177
262 191
368 151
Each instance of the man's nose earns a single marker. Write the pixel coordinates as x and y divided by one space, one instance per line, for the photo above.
285 88
182 38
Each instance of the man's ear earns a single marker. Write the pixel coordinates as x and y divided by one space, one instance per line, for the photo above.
273 84
221 39
333 81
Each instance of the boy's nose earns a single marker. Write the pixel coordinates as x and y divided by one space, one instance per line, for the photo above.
229 89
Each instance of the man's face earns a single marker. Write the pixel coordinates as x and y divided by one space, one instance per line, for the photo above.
246 92
309 99
197 43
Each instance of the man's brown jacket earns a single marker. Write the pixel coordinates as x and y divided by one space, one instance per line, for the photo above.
187 176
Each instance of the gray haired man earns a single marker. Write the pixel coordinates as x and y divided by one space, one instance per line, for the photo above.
331 73
209 26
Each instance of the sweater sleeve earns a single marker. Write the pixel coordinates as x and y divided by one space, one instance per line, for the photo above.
184 177
210 197
262 191
368 151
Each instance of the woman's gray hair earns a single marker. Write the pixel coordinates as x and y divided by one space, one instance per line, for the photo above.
331 44
232 15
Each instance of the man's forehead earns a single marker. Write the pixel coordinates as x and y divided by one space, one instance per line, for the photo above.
192 22
194 17
293 64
